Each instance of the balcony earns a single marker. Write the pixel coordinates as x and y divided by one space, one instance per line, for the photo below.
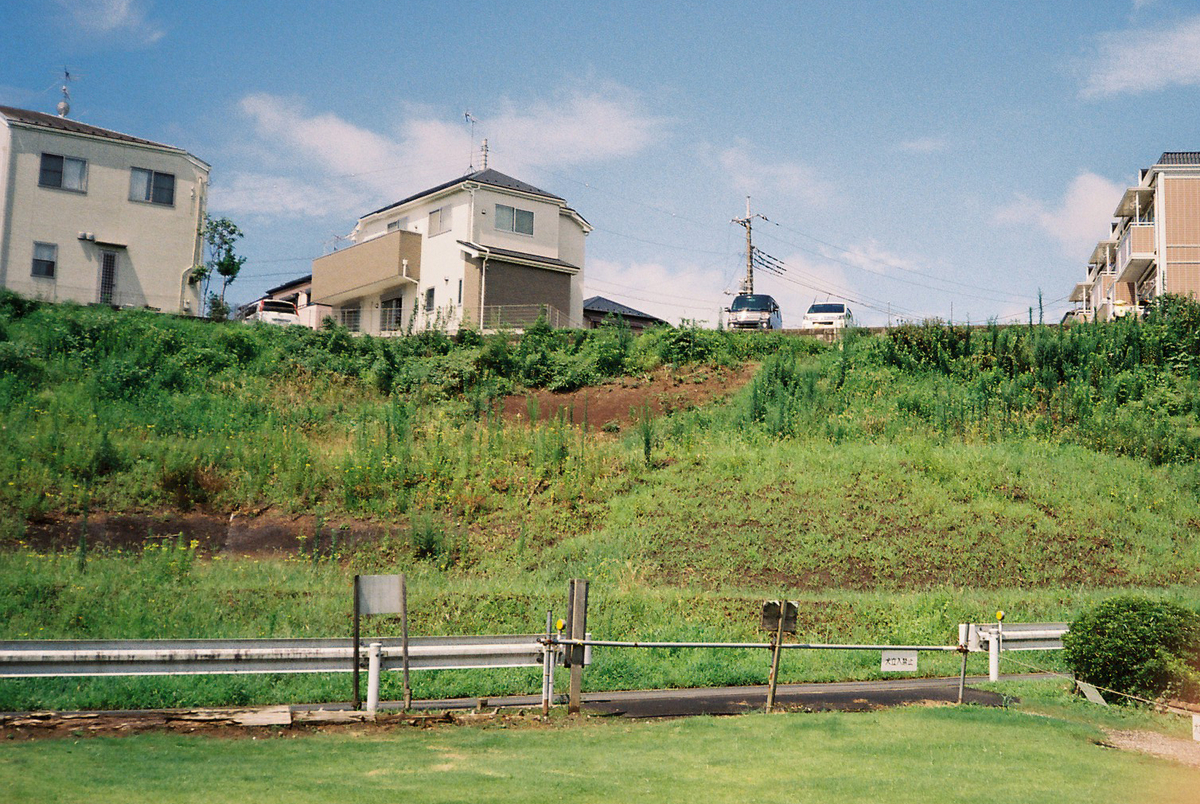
376 266
1136 252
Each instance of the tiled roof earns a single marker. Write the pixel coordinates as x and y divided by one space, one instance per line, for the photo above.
1180 158
70 126
599 304
490 177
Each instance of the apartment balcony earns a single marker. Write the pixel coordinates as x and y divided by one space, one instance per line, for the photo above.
1135 253
366 269
523 316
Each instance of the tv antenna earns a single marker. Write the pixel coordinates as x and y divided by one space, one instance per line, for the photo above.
471 121
64 105
748 282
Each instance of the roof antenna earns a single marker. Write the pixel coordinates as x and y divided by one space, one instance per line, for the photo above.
471 121
64 105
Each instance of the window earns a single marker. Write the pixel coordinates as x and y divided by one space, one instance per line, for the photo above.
45 259
390 312
511 219
152 187
439 221
429 300
398 225
63 172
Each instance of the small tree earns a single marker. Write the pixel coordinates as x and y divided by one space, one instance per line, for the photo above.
1136 645
220 235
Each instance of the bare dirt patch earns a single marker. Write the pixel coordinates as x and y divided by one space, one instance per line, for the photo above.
1159 745
621 402
229 723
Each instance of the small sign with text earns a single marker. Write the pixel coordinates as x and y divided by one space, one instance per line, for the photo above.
899 661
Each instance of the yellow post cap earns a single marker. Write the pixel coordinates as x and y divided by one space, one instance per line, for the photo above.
1000 615
560 624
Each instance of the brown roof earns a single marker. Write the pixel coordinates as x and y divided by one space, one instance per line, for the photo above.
68 125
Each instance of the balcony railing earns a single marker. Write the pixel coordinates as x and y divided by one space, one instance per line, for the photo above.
523 316
1136 251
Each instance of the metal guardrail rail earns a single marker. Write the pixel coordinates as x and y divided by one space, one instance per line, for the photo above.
147 657
1016 636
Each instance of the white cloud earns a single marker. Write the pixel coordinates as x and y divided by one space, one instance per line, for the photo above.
671 293
415 147
263 195
576 128
753 175
1077 222
113 17
923 145
1146 60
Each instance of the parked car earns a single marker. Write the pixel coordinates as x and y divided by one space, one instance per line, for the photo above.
828 315
269 311
754 311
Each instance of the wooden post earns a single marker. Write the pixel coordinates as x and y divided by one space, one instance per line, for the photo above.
777 648
577 629
354 647
404 639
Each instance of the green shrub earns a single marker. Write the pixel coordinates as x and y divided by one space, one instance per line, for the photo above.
1137 646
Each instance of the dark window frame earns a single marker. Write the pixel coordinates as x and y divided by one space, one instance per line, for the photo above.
159 188
52 176
48 268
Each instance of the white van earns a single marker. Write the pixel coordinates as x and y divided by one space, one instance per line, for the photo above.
269 311
828 315
754 311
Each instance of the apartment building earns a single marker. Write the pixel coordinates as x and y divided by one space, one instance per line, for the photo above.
95 216
484 250
1153 246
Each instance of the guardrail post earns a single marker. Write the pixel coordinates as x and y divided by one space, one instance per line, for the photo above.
547 668
994 655
373 653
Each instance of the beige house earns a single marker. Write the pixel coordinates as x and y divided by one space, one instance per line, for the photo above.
1153 246
485 250
299 293
95 216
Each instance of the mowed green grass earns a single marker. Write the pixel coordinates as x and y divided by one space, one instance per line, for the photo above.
905 755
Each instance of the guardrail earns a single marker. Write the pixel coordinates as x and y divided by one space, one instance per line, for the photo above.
147 657
995 637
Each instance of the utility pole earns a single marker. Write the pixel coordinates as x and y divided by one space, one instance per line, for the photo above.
748 284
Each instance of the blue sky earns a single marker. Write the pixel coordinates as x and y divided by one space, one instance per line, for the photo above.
932 159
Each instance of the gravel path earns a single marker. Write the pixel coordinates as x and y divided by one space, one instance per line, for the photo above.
1159 745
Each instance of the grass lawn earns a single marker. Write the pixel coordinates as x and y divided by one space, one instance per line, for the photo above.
914 754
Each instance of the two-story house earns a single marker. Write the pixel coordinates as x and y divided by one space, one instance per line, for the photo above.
482 251
96 216
1153 246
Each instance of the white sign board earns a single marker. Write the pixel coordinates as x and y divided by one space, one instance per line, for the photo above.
379 594
900 661
1196 727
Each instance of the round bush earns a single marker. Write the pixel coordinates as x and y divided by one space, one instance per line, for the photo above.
1136 645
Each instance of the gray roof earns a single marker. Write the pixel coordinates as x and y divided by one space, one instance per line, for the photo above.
66 124
507 253
490 177
1179 158
599 304
304 280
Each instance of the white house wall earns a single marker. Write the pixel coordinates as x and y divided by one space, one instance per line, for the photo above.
160 242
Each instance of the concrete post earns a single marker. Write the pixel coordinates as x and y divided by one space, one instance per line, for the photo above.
994 656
